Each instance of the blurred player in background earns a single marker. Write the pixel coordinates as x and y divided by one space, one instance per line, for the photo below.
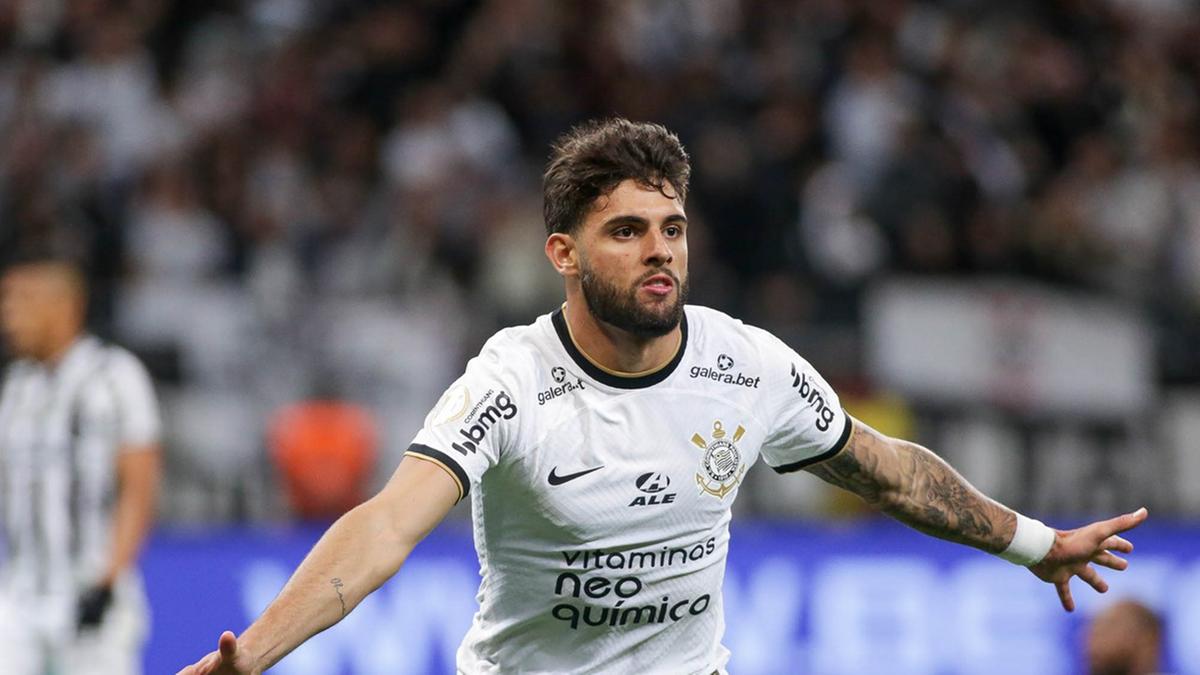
603 446
1124 639
79 464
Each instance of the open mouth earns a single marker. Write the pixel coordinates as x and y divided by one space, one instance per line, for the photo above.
659 284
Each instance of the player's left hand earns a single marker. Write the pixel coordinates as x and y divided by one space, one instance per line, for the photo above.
93 603
1074 551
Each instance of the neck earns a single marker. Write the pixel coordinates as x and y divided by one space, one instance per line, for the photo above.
57 348
614 349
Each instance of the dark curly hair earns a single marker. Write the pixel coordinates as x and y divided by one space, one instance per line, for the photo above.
590 160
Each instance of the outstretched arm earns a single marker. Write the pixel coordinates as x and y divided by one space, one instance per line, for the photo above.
360 551
918 488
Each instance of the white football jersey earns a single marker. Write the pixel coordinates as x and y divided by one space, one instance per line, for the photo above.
601 501
61 430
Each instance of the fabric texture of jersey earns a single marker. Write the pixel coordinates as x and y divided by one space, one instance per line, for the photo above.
601 502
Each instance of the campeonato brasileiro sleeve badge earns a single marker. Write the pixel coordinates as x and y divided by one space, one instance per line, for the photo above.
723 467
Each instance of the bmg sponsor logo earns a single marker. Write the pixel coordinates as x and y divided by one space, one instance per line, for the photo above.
482 419
815 398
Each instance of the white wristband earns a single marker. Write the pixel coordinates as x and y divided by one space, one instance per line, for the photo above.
1031 542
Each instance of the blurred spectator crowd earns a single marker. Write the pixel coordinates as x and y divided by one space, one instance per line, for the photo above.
284 199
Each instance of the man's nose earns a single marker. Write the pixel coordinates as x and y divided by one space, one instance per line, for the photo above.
658 248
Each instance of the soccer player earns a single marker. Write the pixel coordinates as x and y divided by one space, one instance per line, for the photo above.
603 445
79 469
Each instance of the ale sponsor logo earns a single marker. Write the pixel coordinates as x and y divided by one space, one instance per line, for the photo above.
653 486
653 482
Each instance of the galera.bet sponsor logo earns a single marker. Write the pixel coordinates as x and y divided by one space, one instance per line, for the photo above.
494 407
563 386
721 374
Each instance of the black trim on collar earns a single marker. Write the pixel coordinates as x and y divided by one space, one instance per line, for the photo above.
603 377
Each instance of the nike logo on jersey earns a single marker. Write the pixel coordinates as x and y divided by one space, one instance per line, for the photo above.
555 479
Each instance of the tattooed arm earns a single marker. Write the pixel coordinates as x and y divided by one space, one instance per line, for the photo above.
918 488
355 556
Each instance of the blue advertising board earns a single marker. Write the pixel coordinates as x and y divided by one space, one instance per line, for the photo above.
868 597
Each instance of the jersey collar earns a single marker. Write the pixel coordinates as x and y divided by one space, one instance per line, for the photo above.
602 376
72 359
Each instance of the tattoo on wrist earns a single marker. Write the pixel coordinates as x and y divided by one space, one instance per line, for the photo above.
337 586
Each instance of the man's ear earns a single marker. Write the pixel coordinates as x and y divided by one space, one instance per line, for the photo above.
563 254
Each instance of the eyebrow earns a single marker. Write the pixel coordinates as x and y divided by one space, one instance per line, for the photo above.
642 222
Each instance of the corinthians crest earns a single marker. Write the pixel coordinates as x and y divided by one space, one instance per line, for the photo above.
723 467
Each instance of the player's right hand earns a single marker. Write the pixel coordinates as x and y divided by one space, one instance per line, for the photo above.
1075 551
227 660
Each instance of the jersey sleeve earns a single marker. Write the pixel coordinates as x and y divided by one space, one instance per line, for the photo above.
808 424
472 424
137 415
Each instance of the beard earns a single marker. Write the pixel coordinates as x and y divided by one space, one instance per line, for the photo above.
620 307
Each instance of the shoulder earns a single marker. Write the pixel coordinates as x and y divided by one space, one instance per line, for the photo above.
513 340
16 368
517 342
701 317
123 372
706 321
725 345
713 329
120 362
513 352
13 374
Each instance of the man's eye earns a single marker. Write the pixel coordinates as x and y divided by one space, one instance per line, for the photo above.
674 231
624 232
